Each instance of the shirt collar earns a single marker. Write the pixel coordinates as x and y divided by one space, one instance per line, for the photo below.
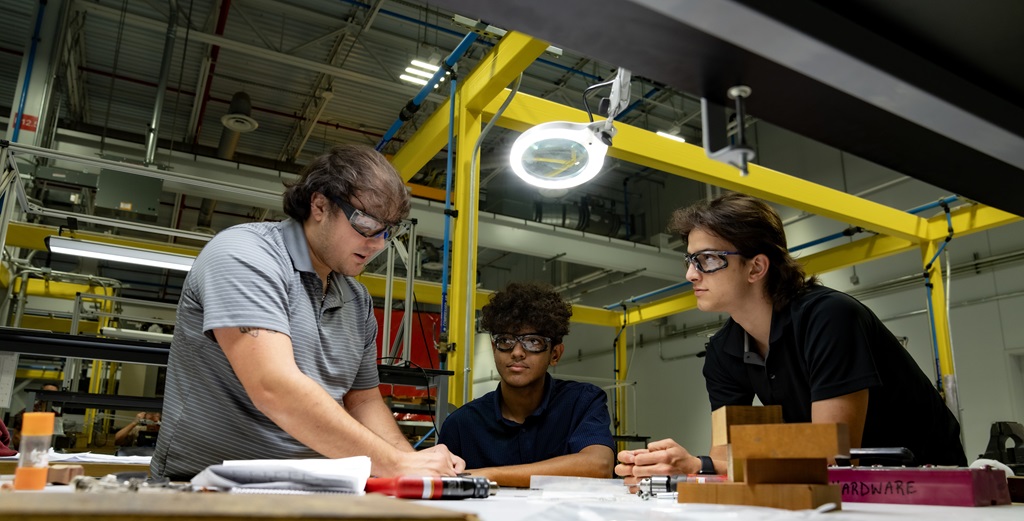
294 238
536 412
295 242
734 337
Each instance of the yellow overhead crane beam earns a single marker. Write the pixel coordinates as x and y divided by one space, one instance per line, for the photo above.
645 148
31 236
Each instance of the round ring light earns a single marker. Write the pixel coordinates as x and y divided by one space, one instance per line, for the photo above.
558 154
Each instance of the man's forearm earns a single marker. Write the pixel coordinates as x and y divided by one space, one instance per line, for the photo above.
369 409
322 424
595 461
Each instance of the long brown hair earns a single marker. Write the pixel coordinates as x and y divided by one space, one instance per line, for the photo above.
753 227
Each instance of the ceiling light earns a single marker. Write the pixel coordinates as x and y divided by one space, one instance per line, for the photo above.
420 73
413 79
424 65
118 253
680 139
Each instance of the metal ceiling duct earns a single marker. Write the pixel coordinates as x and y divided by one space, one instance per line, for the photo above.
237 121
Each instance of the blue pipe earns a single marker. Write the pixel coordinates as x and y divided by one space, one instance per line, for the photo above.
816 242
649 294
456 33
446 248
28 72
414 105
424 438
929 206
633 105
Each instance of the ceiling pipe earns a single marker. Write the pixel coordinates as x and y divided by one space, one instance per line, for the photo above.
222 20
336 126
161 89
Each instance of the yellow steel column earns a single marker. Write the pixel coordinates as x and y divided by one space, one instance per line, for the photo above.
939 317
621 361
462 293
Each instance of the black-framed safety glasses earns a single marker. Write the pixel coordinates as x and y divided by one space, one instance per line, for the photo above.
709 261
532 343
367 225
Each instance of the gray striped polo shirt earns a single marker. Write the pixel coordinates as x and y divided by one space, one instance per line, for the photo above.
256 275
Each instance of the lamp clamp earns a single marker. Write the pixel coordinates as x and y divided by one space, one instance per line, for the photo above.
717 143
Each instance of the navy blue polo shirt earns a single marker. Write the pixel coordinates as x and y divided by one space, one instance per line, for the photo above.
571 416
826 344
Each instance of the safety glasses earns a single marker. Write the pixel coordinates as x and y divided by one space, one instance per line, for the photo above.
709 261
367 225
532 343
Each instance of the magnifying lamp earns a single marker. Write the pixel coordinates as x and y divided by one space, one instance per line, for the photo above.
562 154
558 154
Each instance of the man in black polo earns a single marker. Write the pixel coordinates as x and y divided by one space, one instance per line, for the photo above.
819 353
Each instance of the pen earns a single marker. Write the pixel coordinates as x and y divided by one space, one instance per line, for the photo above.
415 487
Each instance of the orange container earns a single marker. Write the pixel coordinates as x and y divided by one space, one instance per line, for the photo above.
34 451
37 424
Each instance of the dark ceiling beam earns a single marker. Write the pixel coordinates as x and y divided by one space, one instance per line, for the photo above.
692 46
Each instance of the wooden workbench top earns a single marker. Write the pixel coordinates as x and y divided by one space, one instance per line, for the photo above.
156 506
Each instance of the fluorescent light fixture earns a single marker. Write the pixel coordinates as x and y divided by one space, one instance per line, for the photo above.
424 65
680 139
118 253
558 154
413 79
419 72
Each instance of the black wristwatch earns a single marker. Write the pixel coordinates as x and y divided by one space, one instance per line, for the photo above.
707 465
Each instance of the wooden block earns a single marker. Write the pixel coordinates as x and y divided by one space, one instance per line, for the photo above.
63 474
811 471
735 467
788 496
790 440
724 417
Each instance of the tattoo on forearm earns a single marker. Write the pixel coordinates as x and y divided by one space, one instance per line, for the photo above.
254 331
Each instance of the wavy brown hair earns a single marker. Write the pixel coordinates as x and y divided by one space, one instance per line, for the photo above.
528 305
753 227
348 172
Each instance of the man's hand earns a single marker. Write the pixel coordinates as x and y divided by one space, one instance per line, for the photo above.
660 458
434 461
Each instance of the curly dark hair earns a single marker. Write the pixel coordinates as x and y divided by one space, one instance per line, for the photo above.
350 172
753 227
528 305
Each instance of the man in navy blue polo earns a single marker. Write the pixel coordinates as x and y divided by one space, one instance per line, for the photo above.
532 424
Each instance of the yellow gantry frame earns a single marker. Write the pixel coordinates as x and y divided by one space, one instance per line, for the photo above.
479 96
897 231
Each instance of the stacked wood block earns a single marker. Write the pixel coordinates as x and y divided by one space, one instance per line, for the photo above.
771 464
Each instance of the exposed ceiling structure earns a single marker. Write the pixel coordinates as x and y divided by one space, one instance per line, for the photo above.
322 72
317 73
932 91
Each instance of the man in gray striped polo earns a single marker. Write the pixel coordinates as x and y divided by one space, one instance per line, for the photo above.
274 352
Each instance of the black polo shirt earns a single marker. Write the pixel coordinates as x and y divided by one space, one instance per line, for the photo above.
826 344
